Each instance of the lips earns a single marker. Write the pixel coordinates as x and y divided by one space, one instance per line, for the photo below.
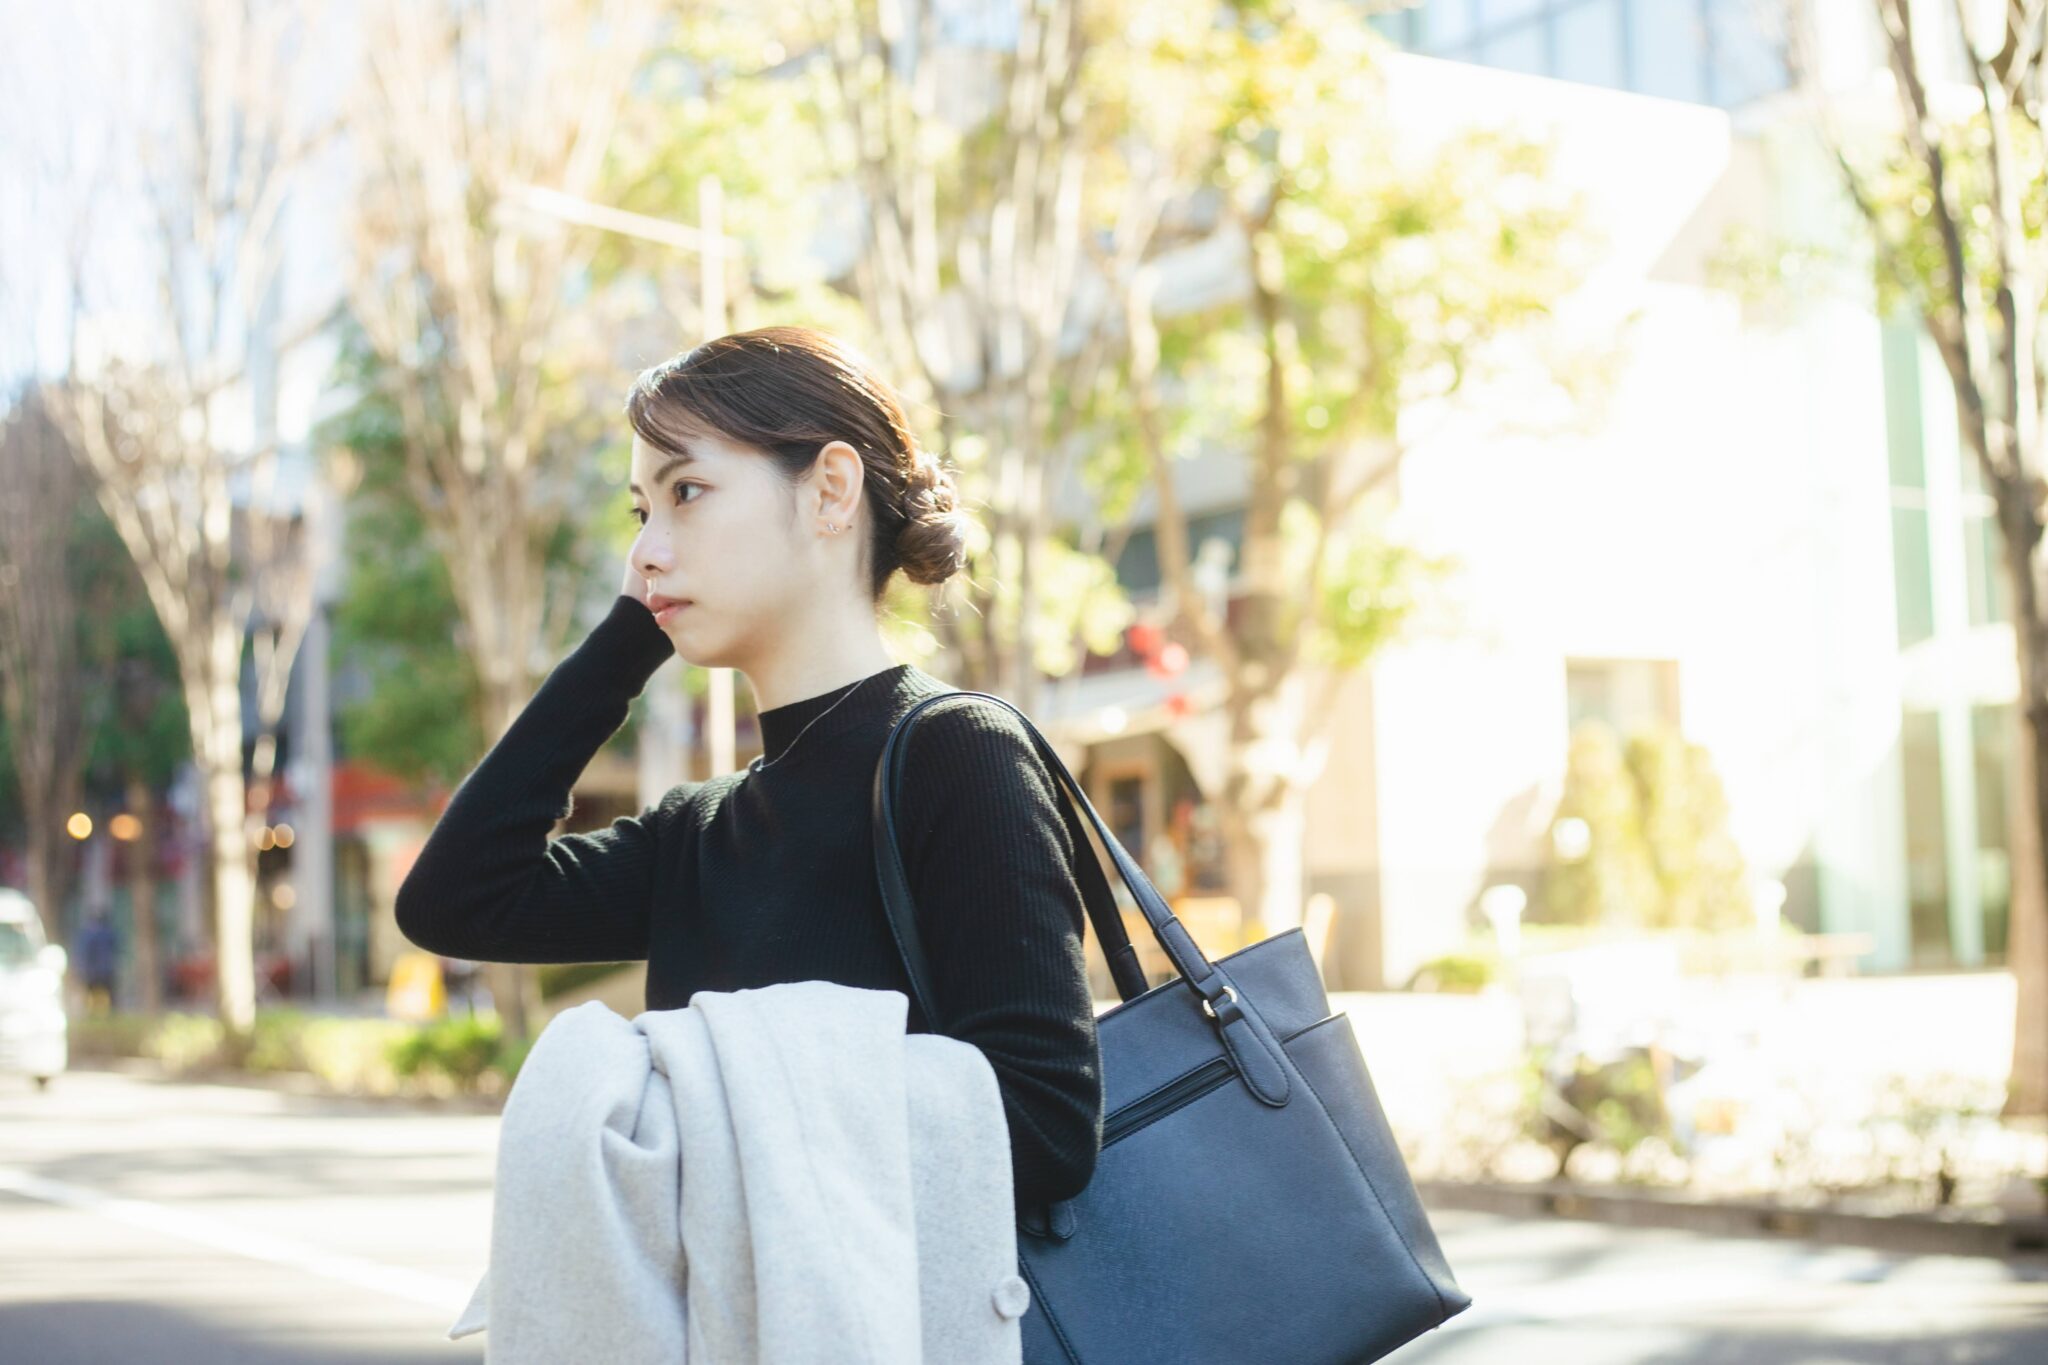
665 609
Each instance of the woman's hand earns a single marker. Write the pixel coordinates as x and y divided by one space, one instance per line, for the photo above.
635 586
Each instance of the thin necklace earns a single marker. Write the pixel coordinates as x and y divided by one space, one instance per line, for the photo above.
757 765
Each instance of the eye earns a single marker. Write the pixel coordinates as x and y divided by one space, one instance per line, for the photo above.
639 517
680 486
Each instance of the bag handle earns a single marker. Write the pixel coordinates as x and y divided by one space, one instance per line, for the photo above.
1218 998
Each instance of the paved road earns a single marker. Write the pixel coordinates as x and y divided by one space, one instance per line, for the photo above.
198 1223
144 1221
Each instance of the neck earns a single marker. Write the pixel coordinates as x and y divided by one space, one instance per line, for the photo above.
812 666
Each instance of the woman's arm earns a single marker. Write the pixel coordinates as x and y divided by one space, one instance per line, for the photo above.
489 884
990 866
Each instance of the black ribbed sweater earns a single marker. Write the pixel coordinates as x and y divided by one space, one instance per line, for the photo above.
750 879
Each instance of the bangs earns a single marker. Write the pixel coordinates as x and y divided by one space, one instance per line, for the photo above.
662 417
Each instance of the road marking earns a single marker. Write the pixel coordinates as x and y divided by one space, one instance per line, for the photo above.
432 1291
1865 1281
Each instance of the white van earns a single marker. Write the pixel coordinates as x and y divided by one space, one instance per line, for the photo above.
34 1031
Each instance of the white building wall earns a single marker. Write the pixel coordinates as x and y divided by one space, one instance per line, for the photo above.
1729 511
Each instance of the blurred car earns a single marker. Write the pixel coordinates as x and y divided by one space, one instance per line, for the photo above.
34 1030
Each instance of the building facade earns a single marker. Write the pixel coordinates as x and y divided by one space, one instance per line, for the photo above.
1768 538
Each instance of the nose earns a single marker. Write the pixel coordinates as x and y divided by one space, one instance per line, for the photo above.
651 555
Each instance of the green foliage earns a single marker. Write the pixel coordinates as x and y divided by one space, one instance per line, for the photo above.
417 712
185 1042
111 1035
1915 270
1398 270
133 708
136 705
1464 973
461 1047
348 1055
1640 837
1082 602
1372 586
1701 876
1599 870
706 108
555 978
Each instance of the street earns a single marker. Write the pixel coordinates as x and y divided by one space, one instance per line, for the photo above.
144 1220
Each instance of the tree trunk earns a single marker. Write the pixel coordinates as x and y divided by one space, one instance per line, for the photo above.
1264 807
2027 922
217 745
47 883
142 855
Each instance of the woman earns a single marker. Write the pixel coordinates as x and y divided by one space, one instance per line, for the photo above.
777 488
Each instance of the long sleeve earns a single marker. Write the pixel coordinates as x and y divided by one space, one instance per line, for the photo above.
489 884
990 864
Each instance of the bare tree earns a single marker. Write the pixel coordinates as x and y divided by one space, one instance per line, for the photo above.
1951 195
39 642
159 407
973 165
466 304
1337 325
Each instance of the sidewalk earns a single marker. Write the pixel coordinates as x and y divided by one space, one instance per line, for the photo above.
1959 1232
300 1083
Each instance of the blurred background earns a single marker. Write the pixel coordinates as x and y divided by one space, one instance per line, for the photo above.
1543 497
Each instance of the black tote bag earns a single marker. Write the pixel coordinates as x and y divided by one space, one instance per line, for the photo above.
1250 1205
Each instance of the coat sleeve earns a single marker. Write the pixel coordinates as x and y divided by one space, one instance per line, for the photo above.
990 865
489 884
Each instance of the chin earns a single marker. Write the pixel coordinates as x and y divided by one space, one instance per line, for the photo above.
698 654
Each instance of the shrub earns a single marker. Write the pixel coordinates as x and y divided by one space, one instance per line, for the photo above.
1460 972
461 1048
1649 842
185 1042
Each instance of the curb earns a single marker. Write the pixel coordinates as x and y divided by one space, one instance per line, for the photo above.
1954 1234
300 1083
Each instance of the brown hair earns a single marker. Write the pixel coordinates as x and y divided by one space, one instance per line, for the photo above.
790 391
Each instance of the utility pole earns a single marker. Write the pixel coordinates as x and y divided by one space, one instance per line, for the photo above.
663 749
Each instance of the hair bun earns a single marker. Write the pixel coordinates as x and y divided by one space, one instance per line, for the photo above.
932 542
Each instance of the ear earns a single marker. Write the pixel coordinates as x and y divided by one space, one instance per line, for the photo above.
838 478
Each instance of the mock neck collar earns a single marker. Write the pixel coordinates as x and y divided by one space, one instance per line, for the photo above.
864 699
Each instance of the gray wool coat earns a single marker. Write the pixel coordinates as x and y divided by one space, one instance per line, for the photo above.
777 1175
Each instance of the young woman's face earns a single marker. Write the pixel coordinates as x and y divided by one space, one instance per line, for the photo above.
715 532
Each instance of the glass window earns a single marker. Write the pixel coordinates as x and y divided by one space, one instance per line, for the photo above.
1900 358
1447 23
1992 730
1402 27
1494 13
1667 49
1588 43
1745 61
1912 580
1137 568
1627 694
1926 839
15 948
1981 555
1524 47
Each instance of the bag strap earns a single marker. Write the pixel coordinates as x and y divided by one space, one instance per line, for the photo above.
1129 977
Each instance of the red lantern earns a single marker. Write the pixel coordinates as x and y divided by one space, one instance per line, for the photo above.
1144 638
1173 659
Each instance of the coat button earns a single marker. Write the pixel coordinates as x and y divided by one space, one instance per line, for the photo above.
1012 1296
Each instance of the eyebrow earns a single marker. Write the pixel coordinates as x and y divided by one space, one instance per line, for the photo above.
671 462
